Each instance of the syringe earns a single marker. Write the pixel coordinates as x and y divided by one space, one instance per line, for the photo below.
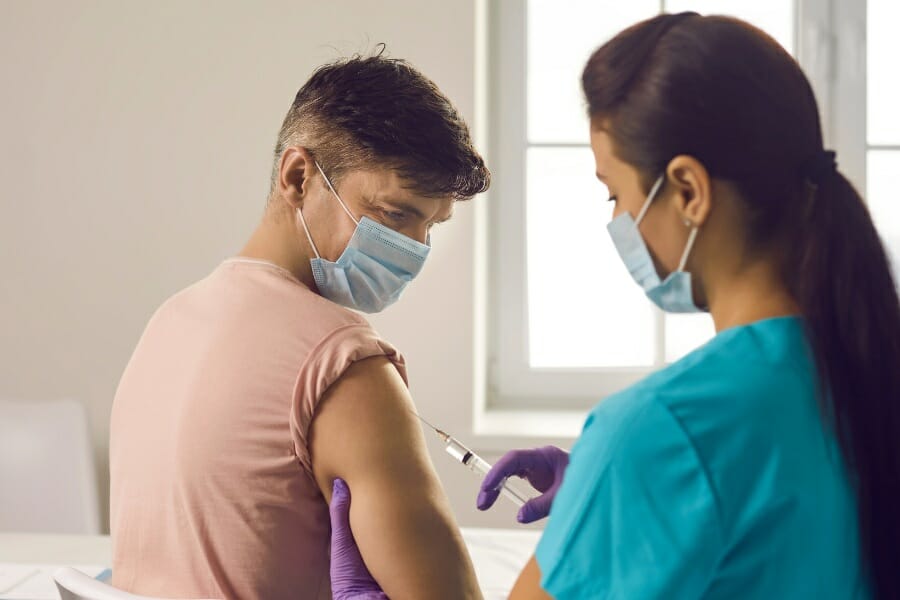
461 453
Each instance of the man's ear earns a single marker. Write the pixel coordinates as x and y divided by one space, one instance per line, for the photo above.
294 173
691 182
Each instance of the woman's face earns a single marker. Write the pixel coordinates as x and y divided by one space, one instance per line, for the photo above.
663 227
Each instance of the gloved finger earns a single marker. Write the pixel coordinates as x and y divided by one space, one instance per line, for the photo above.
486 499
535 509
339 509
514 462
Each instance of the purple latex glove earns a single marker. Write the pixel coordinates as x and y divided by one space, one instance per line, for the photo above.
350 579
542 467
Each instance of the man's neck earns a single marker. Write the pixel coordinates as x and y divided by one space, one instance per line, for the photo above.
276 240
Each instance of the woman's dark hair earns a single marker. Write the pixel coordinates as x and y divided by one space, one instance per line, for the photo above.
374 111
724 92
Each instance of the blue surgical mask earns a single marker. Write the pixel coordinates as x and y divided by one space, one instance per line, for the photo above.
673 294
373 269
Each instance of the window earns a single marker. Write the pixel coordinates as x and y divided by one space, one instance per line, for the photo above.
568 326
883 127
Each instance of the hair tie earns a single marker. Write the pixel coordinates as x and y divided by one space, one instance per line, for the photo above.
820 166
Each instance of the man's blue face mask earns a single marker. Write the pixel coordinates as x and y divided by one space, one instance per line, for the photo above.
373 269
672 294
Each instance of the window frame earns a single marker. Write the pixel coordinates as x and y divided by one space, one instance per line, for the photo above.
833 56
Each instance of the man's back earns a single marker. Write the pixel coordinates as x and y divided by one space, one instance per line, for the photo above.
212 492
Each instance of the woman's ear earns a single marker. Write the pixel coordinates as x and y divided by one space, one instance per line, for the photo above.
294 172
691 182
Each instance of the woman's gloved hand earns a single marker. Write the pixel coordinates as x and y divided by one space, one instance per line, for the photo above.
542 467
350 579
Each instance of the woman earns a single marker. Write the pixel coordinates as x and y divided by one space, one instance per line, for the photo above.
765 464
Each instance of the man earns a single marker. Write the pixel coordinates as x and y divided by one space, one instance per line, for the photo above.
253 389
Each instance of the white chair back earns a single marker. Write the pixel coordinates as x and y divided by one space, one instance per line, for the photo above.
75 585
47 470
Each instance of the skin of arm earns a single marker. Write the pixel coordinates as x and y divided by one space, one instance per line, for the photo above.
365 432
528 585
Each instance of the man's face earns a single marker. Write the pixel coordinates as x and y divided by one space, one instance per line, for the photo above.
377 194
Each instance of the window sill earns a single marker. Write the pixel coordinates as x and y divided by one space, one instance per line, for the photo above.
499 430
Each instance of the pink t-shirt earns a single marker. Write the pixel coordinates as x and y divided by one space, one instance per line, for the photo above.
212 493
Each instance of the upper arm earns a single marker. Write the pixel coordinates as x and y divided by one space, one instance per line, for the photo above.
528 585
636 516
364 431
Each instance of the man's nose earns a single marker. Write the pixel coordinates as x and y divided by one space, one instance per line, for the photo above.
419 233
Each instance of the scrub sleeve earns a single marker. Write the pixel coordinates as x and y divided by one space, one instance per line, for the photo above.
636 516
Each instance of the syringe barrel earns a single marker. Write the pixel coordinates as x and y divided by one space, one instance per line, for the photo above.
458 451
478 464
481 466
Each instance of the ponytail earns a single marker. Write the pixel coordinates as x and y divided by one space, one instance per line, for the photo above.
842 281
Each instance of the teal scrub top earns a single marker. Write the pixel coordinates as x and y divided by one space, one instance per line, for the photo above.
716 477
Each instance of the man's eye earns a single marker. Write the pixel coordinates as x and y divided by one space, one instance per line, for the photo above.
613 198
394 215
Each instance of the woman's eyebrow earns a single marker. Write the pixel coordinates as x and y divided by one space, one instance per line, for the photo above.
600 177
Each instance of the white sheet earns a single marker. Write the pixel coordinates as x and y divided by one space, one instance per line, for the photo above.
498 555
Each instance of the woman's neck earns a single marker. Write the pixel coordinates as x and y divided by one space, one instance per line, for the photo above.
746 295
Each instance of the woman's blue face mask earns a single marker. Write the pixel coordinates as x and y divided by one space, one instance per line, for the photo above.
374 268
673 294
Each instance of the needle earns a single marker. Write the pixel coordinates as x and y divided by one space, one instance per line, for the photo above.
444 437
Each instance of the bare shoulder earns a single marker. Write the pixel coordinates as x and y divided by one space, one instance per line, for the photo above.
366 433
365 418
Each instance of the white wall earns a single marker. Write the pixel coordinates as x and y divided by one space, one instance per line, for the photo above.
135 148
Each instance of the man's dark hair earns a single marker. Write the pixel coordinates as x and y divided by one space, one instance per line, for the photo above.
374 111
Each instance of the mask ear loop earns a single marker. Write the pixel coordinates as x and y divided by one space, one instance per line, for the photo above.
334 191
650 197
306 231
690 244
691 238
